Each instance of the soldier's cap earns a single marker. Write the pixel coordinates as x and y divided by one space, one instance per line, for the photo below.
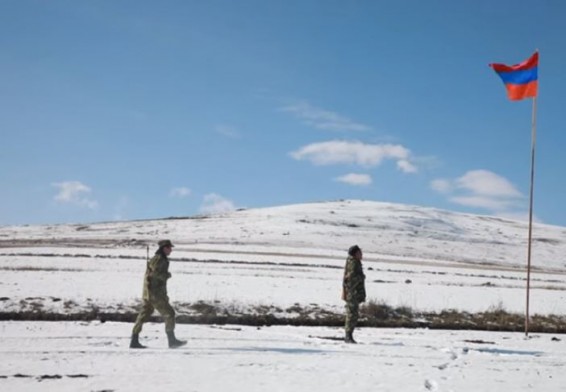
353 250
164 243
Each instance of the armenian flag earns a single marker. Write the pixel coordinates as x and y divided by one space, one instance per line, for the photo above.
521 80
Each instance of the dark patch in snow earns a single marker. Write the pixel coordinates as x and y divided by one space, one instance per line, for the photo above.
49 377
478 341
335 338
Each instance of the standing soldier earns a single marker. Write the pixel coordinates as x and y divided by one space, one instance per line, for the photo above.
353 290
155 296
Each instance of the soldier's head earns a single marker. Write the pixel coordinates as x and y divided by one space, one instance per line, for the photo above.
165 246
355 251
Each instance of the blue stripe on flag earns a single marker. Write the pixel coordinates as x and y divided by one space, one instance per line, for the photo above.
519 77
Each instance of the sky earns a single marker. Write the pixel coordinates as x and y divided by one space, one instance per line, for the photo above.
121 110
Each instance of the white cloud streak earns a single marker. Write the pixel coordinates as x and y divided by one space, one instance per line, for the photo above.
484 182
441 185
355 179
406 166
228 131
74 192
180 192
481 189
324 119
354 152
215 204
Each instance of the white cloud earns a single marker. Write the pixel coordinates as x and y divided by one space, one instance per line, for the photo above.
228 131
180 192
346 152
214 204
441 185
355 179
74 192
324 119
482 189
406 166
484 182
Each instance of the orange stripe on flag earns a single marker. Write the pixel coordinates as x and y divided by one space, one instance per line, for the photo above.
517 92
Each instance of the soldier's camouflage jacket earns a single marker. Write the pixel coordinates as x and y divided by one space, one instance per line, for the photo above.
354 281
156 275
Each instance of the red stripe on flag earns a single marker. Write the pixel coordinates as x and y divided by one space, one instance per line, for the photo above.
531 62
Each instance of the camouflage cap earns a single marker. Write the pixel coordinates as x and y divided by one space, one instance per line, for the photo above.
353 250
164 243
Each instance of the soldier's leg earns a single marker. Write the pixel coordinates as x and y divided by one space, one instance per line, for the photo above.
351 321
355 315
144 315
168 313
166 310
351 316
348 317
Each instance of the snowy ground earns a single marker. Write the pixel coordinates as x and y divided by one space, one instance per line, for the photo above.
53 283
94 357
283 257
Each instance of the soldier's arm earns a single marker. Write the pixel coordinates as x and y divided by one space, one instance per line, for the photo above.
160 270
347 273
356 275
351 275
360 270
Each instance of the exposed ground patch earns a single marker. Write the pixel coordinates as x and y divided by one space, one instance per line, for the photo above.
372 314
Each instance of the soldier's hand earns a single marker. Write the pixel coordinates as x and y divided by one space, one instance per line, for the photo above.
168 275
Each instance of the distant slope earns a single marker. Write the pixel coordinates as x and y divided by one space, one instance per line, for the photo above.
384 230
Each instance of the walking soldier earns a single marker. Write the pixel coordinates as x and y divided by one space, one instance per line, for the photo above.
155 296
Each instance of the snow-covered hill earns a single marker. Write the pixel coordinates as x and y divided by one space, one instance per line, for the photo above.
385 231
421 258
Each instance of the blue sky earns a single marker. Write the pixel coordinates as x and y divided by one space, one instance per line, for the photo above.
115 110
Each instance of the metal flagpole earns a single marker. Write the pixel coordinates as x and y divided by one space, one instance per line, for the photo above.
533 143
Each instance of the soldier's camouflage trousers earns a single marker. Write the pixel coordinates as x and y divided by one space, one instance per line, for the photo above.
352 311
161 304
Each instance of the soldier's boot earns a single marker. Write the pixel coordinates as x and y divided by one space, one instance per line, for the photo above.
135 341
173 341
349 337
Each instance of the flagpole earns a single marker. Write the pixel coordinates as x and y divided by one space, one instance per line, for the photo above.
533 144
